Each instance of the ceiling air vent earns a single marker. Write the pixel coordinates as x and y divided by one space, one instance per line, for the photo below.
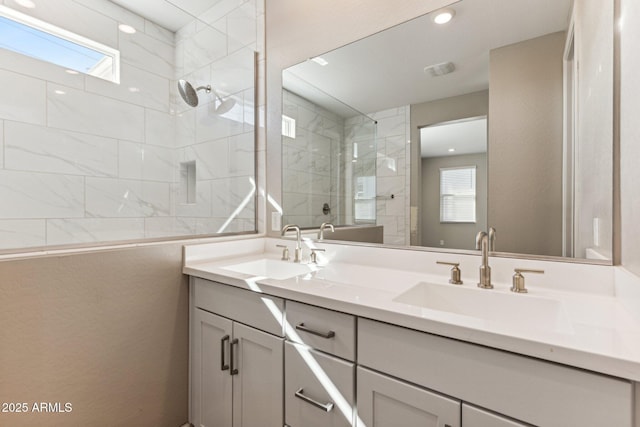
440 69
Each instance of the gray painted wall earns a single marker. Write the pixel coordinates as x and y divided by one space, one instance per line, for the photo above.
525 145
458 236
106 331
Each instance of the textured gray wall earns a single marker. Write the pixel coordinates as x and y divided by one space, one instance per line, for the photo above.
525 145
106 331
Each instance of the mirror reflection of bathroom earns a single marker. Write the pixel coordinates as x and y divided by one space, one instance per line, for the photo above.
453 176
542 74
329 159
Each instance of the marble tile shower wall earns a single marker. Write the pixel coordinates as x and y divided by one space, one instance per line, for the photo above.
393 173
308 178
218 49
84 160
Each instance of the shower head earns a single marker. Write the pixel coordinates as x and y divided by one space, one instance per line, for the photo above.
189 94
224 106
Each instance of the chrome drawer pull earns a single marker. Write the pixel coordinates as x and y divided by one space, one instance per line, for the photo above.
327 407
327 335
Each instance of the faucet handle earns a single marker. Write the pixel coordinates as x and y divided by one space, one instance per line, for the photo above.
518 279
455 272
314 255
285 252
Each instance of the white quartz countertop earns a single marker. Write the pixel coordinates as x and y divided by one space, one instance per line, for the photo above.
592 330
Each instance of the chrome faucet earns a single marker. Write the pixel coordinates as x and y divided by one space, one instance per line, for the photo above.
322 227
482 244
298 252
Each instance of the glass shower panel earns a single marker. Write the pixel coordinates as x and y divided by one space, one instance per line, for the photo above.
88 161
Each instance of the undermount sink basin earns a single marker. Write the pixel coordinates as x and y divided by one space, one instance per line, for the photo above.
270 268
512 311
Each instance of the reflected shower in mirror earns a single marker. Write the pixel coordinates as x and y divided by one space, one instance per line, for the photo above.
537 76
329 160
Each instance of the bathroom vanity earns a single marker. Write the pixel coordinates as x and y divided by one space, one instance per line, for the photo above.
365 338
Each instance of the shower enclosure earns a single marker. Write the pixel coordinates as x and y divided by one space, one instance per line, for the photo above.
87 160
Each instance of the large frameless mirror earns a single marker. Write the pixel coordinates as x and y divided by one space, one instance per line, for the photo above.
500 117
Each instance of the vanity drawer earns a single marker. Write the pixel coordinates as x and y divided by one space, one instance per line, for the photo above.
310 400
531 390
323 329
254 309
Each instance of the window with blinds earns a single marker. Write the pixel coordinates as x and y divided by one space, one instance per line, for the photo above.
458 194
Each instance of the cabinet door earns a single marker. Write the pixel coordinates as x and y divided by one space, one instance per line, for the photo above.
386 402
258 383
475 417
319 389
210 379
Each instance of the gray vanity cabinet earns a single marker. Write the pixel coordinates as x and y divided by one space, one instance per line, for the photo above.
236 369
319 367
244 373
237 374
319 389
476 417
522 388
211 386
257 385
383 401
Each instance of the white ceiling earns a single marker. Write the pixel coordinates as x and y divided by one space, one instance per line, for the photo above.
171 15
465 136
385 70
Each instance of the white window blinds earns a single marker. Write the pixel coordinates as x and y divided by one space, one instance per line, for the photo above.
458 194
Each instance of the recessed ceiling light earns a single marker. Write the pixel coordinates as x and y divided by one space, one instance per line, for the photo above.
443 16
451 150
319 60
74 72
26 3
59 92
127 29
